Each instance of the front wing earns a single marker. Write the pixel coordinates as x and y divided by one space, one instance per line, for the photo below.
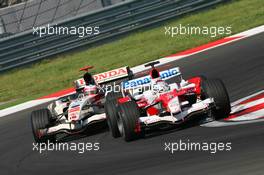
69 127
196 109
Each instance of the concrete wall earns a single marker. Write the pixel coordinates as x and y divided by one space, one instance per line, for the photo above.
24 16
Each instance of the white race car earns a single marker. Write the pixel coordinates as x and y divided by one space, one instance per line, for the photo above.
73 113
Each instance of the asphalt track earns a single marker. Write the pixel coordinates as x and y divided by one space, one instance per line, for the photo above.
240 65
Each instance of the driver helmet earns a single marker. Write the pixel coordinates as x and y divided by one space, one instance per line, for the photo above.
78 85
160 86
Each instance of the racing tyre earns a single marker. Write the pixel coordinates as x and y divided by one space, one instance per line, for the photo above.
127 122
113 96
111 112
203 78
112 115
41 119
215 88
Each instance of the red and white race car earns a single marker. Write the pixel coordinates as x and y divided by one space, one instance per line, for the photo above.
150 101
73 113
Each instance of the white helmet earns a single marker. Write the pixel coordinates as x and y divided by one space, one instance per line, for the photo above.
161 86
79 84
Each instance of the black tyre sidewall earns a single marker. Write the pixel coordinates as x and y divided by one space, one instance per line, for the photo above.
112 114
41 119
113 96
129 113
215 89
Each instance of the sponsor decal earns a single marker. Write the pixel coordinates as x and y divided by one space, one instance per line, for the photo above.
73 116
147 79
81 81
106 76
74 109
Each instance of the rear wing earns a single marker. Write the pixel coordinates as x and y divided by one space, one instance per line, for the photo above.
113 75
109 76
146 80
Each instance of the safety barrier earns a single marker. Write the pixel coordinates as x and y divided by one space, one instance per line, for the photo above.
26 47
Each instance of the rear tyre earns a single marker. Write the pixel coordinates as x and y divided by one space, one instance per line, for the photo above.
203 78
215 89
41 119
127 122
113 96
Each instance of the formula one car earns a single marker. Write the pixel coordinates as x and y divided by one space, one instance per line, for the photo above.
73 113
149 102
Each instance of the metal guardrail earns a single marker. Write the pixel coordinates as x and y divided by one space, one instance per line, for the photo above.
23 16
26 47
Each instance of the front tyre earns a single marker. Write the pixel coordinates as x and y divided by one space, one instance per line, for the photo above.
216 89
112 116
41 119
111 112
128 120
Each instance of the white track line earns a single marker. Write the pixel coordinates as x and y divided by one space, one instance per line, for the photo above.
246 98
250 116
251 32
222 124
247 105
24 106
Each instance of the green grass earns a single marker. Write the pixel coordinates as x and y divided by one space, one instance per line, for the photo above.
58 73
